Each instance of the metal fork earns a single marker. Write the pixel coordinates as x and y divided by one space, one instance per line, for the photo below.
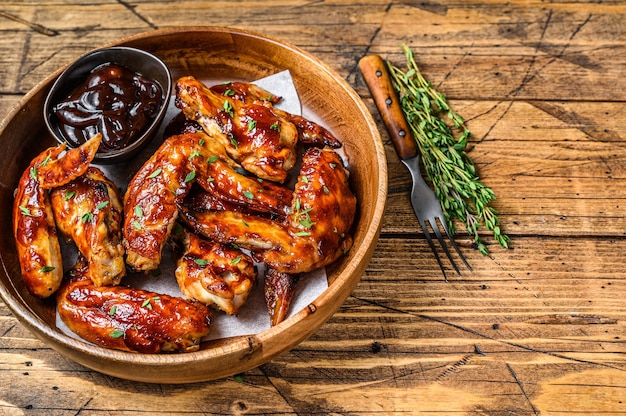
425 203
428 211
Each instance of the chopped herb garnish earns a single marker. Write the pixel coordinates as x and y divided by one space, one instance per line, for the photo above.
190 176
46 269
137 225
325 189
194 154
201 142
138 211
245 223
213 159
235 260
45 161
251 125
248 194
333 165
303 234
116 334
146 304
69 195
229 92
25 211
200 262
228 107
113 310
275 126
33 172
155 173
87 217
102 205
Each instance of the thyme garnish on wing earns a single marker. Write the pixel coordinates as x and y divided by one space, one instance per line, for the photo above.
453 174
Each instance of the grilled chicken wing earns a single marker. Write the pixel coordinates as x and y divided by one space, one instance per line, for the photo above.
160 185
252 134
308 131
130 319
278 291
34 228
214 274
316 230
88 211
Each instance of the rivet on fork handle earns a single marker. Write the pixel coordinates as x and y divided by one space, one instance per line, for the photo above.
377 78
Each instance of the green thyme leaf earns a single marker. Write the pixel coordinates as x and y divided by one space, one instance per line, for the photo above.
156 173
46 269
116 333
102 205
190 176
201 262
69 195
248 194
87 217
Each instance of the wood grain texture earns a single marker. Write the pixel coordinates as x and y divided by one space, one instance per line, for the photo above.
536 329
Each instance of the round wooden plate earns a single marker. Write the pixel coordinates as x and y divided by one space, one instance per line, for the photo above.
218 54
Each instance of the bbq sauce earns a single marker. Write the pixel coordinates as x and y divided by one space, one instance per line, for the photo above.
113 101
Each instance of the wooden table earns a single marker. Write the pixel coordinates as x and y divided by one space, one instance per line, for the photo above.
536 329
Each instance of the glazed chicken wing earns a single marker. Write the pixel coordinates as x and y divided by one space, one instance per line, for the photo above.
88 211
160 185
34 228
278 291
130 319
252 134
315 232
214 274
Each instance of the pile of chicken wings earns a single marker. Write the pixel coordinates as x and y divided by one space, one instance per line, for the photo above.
215 192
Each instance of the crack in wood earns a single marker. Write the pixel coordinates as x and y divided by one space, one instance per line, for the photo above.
484 336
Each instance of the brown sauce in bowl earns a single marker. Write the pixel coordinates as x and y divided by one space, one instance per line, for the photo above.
113 101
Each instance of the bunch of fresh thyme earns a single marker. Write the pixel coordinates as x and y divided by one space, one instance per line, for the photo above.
449 168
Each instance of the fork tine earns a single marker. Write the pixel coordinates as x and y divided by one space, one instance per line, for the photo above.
456 247
445 247
433 248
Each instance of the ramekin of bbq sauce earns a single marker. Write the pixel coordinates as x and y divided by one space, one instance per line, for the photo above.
120 92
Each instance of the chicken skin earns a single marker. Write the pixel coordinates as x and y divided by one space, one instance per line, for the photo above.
159 187
214 274
315 232
261 138
88 211
130 319
278 292
34 228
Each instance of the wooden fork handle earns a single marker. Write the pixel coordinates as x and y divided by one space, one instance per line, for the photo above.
377 78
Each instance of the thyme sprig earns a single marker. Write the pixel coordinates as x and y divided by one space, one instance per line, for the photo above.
442 137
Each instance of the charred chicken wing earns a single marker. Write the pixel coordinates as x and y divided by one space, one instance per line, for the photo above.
161 184
130 319
214 274
315 232
34 228
88 211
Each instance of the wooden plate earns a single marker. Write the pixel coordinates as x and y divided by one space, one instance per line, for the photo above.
219 54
